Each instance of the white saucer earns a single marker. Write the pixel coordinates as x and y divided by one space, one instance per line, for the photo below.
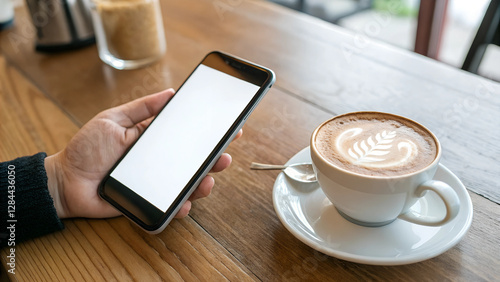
306 212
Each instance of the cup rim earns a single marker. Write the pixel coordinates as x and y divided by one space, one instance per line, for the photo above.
328 163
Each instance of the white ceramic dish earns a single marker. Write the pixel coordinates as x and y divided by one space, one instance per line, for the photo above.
306 212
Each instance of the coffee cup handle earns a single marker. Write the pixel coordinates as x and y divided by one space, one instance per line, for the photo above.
447 195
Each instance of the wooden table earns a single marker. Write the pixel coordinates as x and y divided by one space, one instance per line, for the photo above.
234 234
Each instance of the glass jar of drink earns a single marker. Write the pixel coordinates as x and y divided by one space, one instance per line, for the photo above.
129 33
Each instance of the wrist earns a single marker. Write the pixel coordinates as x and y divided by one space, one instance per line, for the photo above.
55 184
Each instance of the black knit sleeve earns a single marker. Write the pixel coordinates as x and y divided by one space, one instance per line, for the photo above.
26 207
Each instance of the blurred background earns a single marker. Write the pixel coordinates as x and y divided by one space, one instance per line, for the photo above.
398 21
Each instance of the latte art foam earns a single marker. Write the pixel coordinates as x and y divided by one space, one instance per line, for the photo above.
376 144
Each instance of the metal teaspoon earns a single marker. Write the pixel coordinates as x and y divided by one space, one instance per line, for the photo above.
299 172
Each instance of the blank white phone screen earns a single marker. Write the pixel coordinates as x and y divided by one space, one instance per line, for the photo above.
176 144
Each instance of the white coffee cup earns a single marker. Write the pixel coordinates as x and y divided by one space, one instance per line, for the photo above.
377 200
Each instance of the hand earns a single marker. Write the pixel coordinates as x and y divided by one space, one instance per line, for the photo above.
75 172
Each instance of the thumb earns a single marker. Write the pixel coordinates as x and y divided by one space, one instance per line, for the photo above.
134 112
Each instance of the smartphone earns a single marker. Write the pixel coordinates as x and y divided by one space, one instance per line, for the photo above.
158 173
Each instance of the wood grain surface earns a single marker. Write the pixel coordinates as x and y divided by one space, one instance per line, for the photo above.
234 234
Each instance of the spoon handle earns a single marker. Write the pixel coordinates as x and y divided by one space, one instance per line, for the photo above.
266 166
